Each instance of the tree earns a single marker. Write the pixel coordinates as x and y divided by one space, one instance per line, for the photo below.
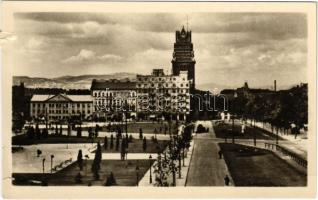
123 148
155 132
110 180
97 128
79 132
90 132
140 134
127 141
97 161
111 141
109 127
117 142
61 130
44 133
30 132
144 144
80 159
105 142
37 132
78 178
56 130
130 138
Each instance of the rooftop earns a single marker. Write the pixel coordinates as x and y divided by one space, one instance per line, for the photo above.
113 84
74 98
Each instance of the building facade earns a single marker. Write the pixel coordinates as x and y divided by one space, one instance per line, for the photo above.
113 96
61 106
160 94
183 55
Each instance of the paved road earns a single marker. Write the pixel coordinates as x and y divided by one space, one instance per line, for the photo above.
206 169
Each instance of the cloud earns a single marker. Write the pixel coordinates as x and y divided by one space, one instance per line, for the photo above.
86 56
263 25
230 47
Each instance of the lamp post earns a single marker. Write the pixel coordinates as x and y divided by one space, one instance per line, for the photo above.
137 173
43 161
52 156
233 139
150 178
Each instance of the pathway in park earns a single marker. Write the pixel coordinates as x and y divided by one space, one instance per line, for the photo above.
206 169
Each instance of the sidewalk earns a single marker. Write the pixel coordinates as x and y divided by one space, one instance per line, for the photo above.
145 181
206 169
298 145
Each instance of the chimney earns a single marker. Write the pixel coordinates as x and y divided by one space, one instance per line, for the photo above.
275 85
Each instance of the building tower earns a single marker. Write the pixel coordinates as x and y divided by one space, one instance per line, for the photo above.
183 55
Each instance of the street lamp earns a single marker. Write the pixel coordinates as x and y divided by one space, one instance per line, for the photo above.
137 173
233 139
43 161
150 179
52 156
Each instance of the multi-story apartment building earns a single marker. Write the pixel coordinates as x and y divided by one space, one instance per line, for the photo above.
114 96
61 106
162 94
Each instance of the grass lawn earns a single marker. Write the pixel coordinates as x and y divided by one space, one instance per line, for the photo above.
257 167
223 130
52 139
124 173
136 146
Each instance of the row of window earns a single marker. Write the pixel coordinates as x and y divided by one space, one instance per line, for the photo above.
60 105
106 94
162 85
165 91
58 112
158 79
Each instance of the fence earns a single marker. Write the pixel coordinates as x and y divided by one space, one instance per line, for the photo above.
302 162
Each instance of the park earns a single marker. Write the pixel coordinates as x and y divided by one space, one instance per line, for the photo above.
200 153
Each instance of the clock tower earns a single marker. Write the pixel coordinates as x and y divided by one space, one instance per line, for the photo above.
183 55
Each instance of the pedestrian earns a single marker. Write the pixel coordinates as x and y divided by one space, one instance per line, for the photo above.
220 154
227 180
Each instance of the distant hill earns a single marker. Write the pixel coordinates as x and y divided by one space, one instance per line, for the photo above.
68 82
213 86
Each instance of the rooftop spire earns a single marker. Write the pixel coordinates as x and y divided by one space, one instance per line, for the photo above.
182 30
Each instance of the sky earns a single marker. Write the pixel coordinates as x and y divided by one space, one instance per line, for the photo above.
229 48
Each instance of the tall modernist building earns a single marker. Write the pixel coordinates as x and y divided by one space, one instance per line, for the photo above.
183 55
164 93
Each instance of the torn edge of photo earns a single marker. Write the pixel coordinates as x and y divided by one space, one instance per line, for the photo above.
158 99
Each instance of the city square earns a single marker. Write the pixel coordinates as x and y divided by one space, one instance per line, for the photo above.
160 127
